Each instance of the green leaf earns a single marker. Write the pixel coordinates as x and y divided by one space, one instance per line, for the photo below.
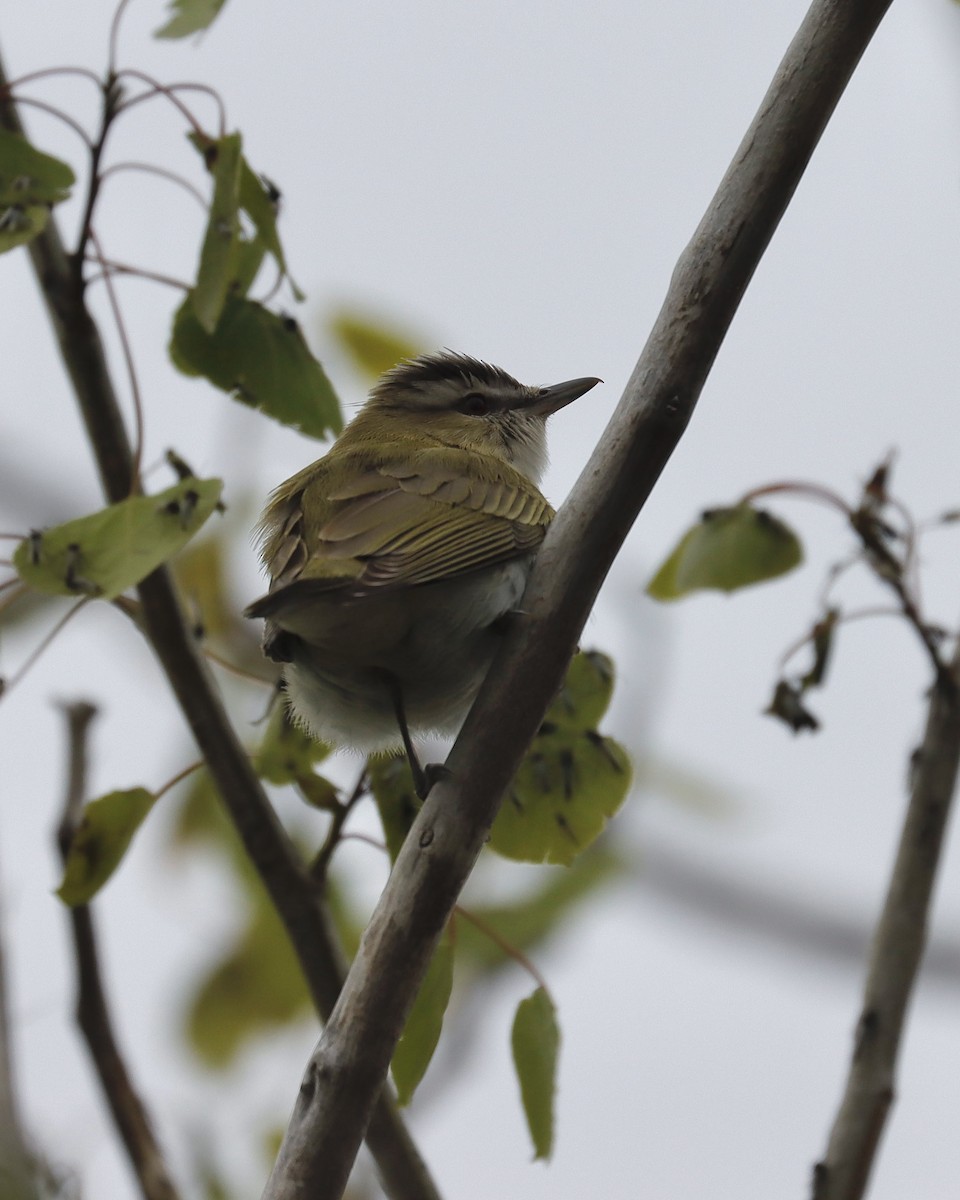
585 696
372 347
422 1030
287 752
200 817
189 16
392 786
567 788
28 176
219 252
109 551
259 200
256 986
19 225
730 548
242 190
318 792
30 182
262 360
201 575
248 259
535 1041
100 842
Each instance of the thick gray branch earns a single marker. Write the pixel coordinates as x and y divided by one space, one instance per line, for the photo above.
895 955
351 1059
296 899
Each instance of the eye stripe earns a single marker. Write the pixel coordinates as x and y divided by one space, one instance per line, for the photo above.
474 404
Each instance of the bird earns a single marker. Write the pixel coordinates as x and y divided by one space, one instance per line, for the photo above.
397 559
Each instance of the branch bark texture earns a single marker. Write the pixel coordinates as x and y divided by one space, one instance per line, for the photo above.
19 1172
351 1059
93 1016
895 955
295 897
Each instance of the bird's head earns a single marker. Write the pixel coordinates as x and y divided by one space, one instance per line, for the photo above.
472 405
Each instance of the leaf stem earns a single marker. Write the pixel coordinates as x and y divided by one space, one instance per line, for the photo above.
44 644
507 947
162 172
798 487
128 361
169 90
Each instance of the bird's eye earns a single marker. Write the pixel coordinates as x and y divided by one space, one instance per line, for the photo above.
474 405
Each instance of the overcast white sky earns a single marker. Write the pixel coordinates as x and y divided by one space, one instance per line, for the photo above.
517 180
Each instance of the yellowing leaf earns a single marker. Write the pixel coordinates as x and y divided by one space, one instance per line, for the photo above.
201 574
287 752
567 788
262 360
535 1041
585 696
730 548
189 16
109 551
101 839
372 347
391 783
220 240
256 986
422 1030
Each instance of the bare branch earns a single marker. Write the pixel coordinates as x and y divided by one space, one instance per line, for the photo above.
93 1015
288 884
18 1169
895 955
351 1059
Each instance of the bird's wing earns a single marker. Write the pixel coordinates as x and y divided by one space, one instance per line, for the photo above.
400 524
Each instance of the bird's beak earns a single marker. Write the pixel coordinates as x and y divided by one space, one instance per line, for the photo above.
551 399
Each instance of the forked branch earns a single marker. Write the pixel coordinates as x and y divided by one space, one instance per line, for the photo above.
351 1059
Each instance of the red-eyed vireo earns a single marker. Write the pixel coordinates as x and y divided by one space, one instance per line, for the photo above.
394 559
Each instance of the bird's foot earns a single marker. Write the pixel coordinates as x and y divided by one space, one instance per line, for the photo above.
424 777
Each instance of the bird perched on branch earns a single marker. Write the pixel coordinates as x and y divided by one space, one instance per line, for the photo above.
394 559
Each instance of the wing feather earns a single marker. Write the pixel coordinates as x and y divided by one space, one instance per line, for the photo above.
402 524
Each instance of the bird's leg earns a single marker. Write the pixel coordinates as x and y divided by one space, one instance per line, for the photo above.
423 777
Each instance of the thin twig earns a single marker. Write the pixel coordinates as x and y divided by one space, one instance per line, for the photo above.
45 642
169 90
896 952
53 111
351 1060
303 913
110 267
127 351
93 1016
321 862
110 97
48 72
18 1166
161 172
113 39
